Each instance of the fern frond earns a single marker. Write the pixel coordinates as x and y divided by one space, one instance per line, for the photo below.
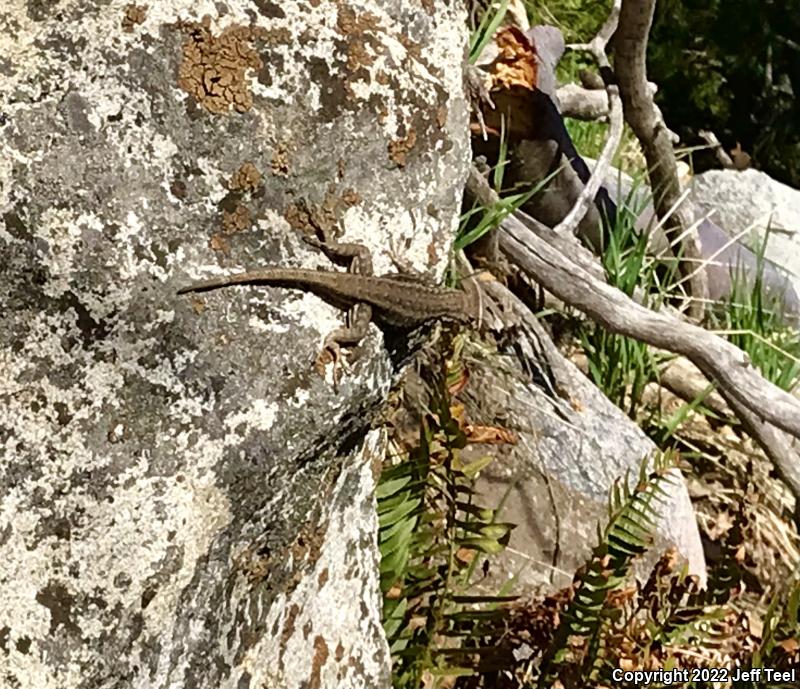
626 536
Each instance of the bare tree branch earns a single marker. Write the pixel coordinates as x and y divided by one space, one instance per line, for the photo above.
682 377
582 104
597 47
722 157
630 46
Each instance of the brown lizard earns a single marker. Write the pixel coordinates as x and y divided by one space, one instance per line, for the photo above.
395 300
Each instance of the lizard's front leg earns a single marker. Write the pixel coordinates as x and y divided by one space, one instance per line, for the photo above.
358 320
360 314
358 255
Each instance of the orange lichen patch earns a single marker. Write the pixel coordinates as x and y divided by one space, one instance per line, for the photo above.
399 148
134 14
236 220
349 22
246 178
219 243
214 67
358 55
277 36
516 63
351 197
324 216
280 161
321 654
360 28
414 49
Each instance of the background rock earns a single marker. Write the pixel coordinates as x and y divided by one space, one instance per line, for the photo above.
745 203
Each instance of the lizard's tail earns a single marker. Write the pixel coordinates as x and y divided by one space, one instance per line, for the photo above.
271 276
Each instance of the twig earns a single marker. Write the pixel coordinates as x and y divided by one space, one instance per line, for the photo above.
581 103
713 142
537 250
597 48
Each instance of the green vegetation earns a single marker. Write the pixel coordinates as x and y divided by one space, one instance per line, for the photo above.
620 366
431 533
755 323
578 637
731 66
483 32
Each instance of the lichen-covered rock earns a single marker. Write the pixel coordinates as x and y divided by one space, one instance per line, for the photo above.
185 501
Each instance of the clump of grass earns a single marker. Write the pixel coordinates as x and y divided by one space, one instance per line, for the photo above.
621 366
755 321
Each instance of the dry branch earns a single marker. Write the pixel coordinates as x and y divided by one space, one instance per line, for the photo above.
582 104
630 45
597 48
713 142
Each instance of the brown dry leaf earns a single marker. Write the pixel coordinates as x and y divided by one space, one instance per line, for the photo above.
400 148
134 14
394 593
626 664
459 384
417 622
740 157
617 599
723 523
465 555
512 84
516 62
490 434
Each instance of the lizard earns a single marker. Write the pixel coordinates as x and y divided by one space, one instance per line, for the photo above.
397 300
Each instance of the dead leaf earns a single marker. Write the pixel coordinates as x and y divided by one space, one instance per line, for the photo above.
516 63
490 434
465 555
